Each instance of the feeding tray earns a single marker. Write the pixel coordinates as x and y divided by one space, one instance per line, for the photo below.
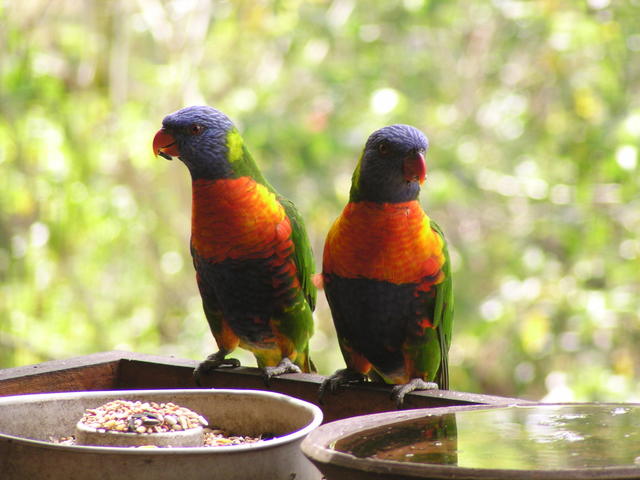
29 425
535 441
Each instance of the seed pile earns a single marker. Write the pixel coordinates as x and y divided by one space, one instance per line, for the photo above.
151 417
141 417
219 438
212 438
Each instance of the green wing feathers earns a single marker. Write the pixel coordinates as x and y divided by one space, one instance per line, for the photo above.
443 312
303 255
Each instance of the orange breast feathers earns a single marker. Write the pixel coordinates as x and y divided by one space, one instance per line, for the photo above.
392 242
238 218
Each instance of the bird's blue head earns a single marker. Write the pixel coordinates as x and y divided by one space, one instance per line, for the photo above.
199 136
392 166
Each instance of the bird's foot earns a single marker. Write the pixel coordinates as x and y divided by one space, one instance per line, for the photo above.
285 366
399 391
213 361
346 376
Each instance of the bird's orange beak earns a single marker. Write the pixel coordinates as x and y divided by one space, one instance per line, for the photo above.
414 168
165 145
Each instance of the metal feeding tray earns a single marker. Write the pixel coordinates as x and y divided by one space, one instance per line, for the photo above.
535 441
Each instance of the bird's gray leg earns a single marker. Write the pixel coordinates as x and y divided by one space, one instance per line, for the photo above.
213 361
399 391
285 366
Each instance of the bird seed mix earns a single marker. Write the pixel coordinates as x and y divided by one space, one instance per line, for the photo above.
151 417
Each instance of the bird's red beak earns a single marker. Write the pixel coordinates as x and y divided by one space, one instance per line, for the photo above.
414 168
165 145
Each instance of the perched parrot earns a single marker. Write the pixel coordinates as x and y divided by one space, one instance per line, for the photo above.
249 246
386 272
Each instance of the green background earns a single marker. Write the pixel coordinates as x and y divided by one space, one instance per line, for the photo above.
532 109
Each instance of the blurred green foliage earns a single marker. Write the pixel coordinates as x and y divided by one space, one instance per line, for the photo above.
532 110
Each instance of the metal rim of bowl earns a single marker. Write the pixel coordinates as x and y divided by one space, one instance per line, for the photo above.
317 447
266 444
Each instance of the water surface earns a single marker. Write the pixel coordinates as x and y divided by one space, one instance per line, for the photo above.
542 437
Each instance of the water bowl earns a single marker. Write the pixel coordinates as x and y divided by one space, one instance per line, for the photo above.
529 441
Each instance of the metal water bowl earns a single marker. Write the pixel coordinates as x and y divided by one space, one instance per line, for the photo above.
529 441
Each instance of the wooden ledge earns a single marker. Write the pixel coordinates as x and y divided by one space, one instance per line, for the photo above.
120 370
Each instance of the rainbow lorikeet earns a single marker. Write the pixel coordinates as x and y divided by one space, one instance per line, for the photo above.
386 272
249 246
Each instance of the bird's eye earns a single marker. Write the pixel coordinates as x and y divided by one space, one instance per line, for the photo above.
196 129
383 147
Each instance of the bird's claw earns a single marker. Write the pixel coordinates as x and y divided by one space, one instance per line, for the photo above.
342 377
285 366
399 391
213 361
